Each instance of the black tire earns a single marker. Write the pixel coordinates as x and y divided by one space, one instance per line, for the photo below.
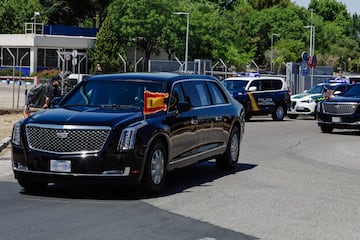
230 158
278 113
326 128
247 112
155 171
293 116
31 186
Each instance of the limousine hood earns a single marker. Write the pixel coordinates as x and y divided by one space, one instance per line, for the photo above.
90 116
344 99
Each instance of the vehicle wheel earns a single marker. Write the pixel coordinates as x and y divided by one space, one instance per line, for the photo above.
293 116
278 113
247 113
229 159
155 168
326 129
31 186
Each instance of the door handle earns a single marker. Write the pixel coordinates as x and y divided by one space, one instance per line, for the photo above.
218 118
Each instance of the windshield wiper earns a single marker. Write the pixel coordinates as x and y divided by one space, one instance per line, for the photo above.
122 106
80 105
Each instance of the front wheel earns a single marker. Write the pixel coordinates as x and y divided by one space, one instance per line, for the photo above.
155 168
293 116
278 113
31 186
229 159
326 129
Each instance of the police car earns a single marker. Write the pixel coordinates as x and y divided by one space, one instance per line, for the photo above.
305 103
260 95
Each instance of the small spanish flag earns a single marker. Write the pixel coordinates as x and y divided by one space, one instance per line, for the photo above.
154 102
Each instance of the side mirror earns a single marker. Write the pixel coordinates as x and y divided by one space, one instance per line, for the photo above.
183 107
252 89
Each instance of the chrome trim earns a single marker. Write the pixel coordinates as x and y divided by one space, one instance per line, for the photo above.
339 123
198 154
66 127
125 173
339 108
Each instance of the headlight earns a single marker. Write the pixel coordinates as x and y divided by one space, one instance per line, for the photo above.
128 136
16 134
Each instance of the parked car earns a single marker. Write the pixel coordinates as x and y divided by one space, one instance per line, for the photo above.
129 128
305 103
260 95
341 112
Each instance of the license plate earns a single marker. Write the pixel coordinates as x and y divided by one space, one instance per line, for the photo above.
300 108
60 165
336 119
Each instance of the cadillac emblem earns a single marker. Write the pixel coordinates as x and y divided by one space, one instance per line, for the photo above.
62 135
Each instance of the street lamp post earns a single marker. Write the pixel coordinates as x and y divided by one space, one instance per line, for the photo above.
136 39
35 14
21 60
272 50
312 48
13 77
187 38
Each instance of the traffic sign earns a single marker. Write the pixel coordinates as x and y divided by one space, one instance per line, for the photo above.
74 53
304 56
74 61
304 68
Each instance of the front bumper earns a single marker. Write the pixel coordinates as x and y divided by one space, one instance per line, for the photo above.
340 122
122 168
300 108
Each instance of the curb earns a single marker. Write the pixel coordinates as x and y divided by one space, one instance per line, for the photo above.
4 143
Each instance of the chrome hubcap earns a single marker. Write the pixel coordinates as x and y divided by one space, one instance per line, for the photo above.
157 166
280 112
234 148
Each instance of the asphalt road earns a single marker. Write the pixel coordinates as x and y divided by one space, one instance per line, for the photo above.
292 182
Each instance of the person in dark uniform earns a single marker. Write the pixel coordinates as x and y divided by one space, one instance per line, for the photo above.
98 69
52 90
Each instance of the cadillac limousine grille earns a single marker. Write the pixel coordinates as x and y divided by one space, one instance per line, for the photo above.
339 108
67 139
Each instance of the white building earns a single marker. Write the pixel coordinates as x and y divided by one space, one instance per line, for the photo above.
47 47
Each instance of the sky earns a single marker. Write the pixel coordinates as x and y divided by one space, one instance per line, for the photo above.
353 6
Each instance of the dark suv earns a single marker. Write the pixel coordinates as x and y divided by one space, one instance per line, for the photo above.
128 128
260 95
342 111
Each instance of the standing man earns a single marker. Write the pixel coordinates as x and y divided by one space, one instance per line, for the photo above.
98 69
52 91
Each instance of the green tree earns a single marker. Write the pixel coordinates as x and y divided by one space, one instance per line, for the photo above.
261 4
140 20
107 49
85 13
330 10
15 13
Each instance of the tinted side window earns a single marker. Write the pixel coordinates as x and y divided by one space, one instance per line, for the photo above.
276 85
266 85
216 93
196 93
176 96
